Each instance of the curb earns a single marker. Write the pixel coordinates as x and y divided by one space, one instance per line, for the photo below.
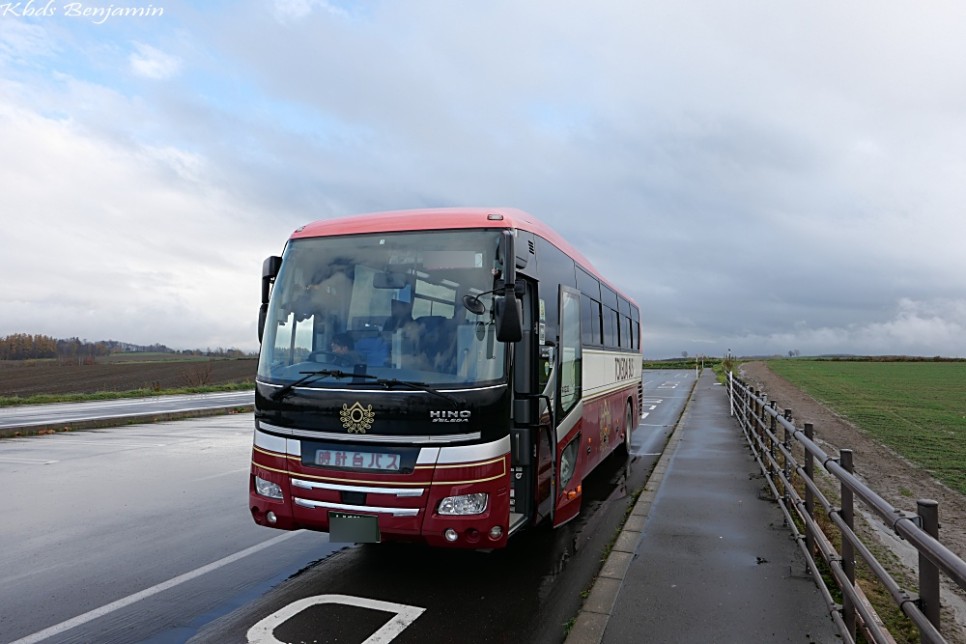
596 611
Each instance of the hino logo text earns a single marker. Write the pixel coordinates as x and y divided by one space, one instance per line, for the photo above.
450 416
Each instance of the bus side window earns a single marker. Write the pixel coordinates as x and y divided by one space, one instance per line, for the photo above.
570 349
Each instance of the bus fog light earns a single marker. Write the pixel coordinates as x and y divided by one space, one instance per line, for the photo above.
464 504
496 532
271 518
451 535
267 488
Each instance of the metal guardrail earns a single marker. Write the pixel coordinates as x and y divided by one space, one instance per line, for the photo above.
760 421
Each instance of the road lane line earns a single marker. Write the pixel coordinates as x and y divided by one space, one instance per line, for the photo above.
149 592
107 442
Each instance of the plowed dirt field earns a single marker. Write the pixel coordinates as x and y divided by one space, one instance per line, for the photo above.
27 378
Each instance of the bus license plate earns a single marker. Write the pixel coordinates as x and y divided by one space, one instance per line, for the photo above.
353 528
347 459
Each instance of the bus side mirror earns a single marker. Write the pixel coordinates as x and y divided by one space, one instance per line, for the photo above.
509 317
270 268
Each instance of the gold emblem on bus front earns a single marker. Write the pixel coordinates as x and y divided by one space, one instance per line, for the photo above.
357 419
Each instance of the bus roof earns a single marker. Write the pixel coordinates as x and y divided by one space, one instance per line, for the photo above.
444 219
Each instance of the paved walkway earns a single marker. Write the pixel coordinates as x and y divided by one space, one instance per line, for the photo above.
705 556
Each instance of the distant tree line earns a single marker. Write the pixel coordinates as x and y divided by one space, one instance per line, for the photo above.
887 358
24 346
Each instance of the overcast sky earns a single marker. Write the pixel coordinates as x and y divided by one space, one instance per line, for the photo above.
759 176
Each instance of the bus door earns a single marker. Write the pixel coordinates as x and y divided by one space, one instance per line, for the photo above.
531 449
569 454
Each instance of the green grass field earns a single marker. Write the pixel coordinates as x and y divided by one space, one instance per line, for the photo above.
916 408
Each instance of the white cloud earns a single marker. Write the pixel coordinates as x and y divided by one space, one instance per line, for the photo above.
150 62
760 178
289 11
22 42
915 327
112 242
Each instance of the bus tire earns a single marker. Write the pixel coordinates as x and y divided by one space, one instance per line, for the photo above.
625 447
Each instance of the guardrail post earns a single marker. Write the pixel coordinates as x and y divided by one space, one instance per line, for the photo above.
751 411
928 511
772 428
809 498
731 391
757 414
848 551
746 407
786 461
762 417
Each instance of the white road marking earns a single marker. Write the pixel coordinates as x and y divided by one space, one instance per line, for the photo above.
107 442
148 592
263 631
26 461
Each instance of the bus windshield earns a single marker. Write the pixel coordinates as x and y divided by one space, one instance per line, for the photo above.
386 305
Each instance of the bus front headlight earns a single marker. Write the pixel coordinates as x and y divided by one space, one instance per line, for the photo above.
568 462
464 504
267 488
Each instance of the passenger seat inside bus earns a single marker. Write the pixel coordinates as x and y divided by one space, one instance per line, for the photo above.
374 348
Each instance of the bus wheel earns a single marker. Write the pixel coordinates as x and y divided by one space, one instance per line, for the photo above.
625 447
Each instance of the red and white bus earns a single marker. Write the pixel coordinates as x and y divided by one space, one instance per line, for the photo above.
447 376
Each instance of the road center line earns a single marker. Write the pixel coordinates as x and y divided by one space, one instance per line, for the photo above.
149 592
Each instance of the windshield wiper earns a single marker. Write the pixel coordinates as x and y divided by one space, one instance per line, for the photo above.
388 383
309 376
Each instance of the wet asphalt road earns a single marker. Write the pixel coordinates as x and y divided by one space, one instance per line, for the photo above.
61 414
122 535
142 533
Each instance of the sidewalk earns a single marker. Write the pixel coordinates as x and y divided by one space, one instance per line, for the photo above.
705 555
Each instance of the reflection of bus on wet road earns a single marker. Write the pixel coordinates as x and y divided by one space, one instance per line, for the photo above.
491 369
